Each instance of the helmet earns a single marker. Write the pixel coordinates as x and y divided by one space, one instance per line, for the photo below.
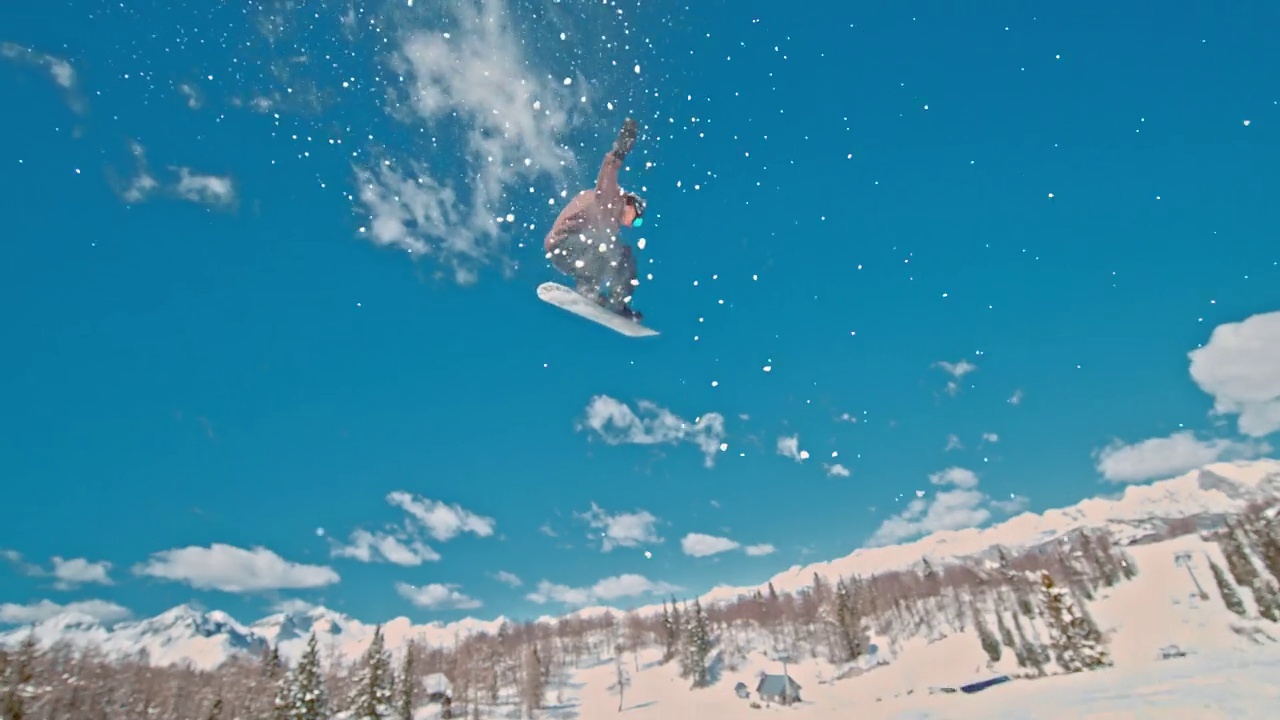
637 202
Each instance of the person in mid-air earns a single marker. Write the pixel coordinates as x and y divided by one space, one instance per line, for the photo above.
583 242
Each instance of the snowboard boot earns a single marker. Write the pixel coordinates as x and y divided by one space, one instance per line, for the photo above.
627 312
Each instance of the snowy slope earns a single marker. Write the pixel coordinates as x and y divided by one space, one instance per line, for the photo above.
1228 672
207 639
1207 494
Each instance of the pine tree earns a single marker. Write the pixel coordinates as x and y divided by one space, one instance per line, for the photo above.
1076 641
1029 654
1076 576
1016 581
1104 559
1234 552
282 703
308 699
990 644
1267 598
1006 635
1268 535
673 631
407 687
1230 597
215 711
371 698
1234 544
821 591
696 647
932 581
849 628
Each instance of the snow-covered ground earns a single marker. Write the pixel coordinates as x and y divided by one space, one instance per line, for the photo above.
1223 685
1230 669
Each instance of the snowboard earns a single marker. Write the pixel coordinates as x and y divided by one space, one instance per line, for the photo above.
573 301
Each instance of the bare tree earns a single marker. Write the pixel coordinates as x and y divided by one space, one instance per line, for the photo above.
622 679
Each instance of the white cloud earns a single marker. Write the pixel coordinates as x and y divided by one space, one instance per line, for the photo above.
789 446
405 545
437 597
953 443
402 550
443 522
1169 456
758 550
508 578
611 588
949 510
512 116
143 184
67 574
957 508
1240 368
1012 504
700 545
192 94
837 470
990 437
957 370
623 529
957 476
615 423
233 569
79 571
1016 397
206 189
293 605
61 71
103 611
188 185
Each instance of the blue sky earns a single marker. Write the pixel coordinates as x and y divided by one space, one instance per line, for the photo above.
973 249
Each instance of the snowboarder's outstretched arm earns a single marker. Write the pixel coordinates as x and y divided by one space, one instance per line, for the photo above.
607 187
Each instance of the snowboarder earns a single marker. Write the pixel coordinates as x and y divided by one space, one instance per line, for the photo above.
583 243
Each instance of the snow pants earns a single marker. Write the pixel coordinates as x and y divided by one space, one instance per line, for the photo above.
597 267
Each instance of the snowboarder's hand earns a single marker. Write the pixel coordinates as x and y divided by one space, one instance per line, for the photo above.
626 137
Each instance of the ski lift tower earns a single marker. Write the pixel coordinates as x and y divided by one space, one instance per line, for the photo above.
1183 559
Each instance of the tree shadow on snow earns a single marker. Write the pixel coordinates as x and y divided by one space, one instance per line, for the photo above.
715 669
565 711
640 706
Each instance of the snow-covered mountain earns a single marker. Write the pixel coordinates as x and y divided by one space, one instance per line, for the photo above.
207 639
1205 495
